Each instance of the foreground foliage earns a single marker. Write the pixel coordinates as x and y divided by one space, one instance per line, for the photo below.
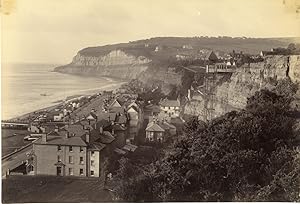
249 155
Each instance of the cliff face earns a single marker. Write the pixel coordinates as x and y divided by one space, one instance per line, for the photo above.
116 63
233 94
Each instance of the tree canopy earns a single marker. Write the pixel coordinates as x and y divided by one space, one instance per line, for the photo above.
249 155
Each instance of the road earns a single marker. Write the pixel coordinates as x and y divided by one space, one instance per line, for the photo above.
15 159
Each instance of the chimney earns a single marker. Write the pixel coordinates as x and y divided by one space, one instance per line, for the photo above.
44 137
101 130
87 137
67 135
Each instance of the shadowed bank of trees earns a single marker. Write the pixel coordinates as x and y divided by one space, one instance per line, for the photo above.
249 155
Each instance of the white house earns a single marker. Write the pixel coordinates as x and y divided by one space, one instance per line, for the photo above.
170 107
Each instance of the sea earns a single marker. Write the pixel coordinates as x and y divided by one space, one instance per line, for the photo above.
29 87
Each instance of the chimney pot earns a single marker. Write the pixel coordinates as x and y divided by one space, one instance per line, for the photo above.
87 137
67 135
44 137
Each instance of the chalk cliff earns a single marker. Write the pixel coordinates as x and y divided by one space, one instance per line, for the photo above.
116 64
233 94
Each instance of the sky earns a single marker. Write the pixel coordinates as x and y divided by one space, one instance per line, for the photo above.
53 31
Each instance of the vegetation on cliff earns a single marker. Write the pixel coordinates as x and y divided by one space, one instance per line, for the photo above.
249 155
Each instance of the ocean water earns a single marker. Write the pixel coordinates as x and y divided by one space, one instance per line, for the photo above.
29 87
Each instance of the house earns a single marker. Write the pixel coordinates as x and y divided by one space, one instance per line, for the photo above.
75 150
60 154
171 108
158 48
154 133
170 129
211 57
135 113
56 116
36 128
189 47
92 117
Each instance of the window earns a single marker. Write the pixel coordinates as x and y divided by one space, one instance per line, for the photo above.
92 153
92 173
81 160
71 159
58 158
151 135
70 149
81 149
71 171
58 148
92 162
81 172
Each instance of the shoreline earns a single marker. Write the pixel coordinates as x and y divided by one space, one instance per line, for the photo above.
70 98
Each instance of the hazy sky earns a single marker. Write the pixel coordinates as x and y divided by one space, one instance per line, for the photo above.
52 31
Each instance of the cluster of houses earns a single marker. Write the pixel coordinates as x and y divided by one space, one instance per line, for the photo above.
60 112
80 148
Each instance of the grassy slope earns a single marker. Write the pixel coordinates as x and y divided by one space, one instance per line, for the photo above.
53 189
172 44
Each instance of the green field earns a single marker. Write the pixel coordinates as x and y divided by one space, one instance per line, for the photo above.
40 189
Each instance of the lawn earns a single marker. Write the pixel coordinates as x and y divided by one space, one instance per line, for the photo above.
16 189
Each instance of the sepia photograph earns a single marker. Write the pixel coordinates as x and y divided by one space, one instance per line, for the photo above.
150 101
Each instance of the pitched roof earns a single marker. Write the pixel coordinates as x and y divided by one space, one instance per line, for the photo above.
211 56
116 103
132 108
119 151
49 128
96 146
102 123
107 116
154 127
91 116
55 140
106 138
75 129
116 110
130 147
170 103
85 123
118 127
